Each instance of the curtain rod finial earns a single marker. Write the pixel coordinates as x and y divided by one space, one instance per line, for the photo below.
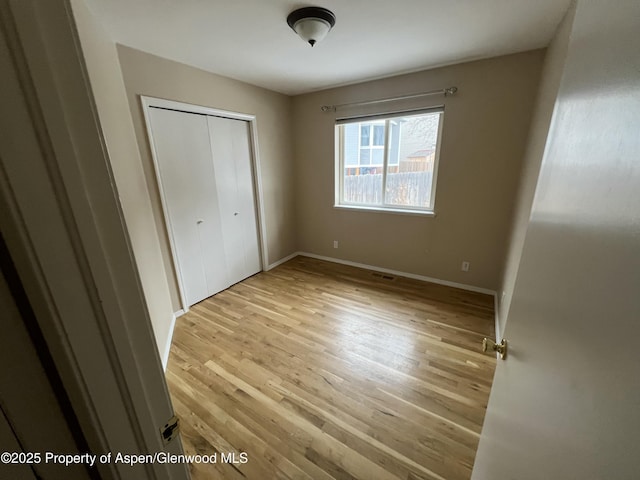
450 91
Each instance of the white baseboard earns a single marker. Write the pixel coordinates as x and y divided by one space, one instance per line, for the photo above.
414 276
167 347
281 261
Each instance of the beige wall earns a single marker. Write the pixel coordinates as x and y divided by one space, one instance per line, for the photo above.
146 74
483 142
113 109
545 103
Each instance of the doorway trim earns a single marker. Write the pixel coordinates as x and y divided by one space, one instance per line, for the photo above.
62 222
147 103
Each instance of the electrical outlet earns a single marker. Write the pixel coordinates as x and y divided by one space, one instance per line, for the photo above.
465 266
335 244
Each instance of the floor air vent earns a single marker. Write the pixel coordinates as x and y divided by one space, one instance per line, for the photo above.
383 276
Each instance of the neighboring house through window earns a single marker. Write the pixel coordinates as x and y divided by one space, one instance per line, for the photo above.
389 162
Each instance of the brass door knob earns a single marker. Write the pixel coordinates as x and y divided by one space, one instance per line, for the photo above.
490 345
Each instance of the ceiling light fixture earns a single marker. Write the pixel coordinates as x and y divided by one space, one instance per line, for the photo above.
311 23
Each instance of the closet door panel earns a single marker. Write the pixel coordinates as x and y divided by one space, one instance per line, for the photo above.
207 212
248 221
183 154
226 188
234 184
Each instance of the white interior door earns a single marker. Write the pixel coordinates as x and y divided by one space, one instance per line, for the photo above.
230 144
566 402
187 178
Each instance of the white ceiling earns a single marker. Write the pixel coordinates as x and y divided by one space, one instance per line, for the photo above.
249 40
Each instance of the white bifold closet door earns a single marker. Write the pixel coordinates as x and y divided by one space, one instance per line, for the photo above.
205 171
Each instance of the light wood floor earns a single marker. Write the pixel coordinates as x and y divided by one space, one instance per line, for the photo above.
321 371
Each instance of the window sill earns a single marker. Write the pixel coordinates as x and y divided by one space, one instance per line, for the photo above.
397 211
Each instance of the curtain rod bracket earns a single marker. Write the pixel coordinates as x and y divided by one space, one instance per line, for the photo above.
443 91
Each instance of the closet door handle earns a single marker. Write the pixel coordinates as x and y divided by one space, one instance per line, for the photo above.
235 214
199 221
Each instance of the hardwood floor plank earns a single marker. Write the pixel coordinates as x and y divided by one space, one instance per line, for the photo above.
323 371
346 458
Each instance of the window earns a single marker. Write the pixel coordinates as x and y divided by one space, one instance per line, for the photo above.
388 162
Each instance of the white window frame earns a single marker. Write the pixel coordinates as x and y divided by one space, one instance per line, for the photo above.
339 202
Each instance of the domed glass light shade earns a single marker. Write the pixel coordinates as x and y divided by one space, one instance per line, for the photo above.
311 23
